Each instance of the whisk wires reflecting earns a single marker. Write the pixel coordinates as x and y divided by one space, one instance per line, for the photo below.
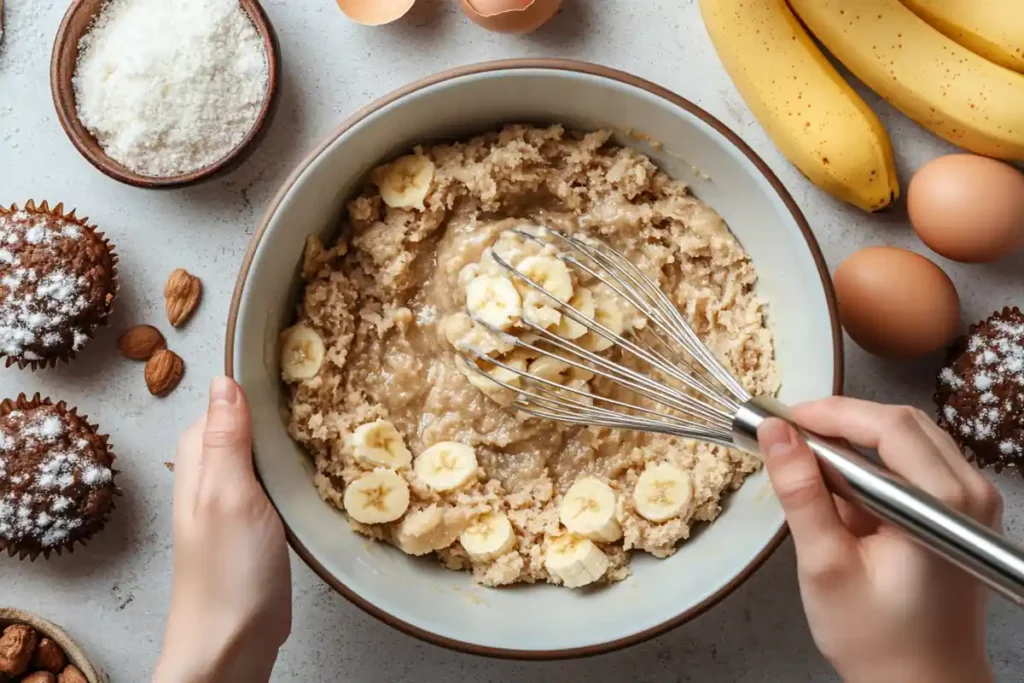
688 391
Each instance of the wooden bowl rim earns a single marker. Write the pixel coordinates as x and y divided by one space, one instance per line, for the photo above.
10 616
65 52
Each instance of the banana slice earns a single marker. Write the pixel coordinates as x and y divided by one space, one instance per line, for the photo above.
494 300
579 385
588 509
405 182
580 373
608 312
302 353
379 444
493 390
538 310
446 466
489 537
377 497
575 560
548 368
662 492
424 531
553 276
469 273
547 272
583 301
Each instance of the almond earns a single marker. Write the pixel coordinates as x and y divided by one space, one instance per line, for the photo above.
17 644
163 372
39 677
141 342
181 296
49 657
72 675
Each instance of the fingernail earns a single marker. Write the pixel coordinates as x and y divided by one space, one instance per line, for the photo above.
223 390
776 437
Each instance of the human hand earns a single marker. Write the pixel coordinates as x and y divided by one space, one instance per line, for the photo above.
881 608
231 598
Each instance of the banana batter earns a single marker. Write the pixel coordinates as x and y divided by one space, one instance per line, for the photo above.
419 449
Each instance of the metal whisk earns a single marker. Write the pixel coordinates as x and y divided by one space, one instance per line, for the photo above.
683 389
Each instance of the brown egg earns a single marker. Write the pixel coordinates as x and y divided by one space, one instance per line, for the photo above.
895 303
968 208
375 12
511 16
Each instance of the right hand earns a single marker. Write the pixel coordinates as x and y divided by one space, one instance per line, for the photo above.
882 608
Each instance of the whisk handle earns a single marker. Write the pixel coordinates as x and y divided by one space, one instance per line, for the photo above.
992 558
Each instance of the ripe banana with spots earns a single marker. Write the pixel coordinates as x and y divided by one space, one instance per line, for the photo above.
943 86
993 29
812 114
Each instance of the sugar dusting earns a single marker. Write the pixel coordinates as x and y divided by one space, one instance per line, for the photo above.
995 376
38 308
49 508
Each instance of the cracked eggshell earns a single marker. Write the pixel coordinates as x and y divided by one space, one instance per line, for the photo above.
511 16
375 12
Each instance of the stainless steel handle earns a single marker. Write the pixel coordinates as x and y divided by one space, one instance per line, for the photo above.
993 559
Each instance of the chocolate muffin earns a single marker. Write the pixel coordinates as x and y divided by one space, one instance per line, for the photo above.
56 478
58 280
980 395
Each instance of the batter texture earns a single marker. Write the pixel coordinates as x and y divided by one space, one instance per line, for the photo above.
384 300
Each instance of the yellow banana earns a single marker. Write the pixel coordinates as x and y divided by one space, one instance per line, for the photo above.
993 29
813 116
941 85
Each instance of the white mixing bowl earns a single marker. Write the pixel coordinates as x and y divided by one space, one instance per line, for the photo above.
418 596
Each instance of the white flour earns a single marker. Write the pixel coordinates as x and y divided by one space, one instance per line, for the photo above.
170 87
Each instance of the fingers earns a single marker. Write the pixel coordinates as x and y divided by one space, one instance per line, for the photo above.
906 441
214 462
984 501
227 438
823 544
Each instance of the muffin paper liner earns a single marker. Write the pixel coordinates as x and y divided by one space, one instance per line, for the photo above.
58 212
12 548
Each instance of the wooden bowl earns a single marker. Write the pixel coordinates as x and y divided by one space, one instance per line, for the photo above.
75 25
10 616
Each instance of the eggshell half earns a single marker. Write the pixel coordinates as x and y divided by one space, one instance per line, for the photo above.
511 16
375 12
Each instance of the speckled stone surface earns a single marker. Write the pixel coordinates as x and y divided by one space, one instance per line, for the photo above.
113 594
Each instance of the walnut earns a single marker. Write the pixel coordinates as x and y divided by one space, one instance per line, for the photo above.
40 677
17 644
72 675
49 657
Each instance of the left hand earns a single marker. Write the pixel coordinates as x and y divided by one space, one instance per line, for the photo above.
231 598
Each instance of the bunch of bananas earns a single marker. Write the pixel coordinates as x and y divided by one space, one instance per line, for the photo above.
955 67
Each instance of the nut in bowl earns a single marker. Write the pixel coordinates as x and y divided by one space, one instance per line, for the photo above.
790 310
205 127
35 650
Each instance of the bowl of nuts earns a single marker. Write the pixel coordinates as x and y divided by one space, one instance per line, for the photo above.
34 650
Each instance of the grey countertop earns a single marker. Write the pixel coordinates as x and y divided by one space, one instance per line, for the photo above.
112 595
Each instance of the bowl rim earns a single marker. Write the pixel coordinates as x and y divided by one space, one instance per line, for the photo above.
62 73
578 67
